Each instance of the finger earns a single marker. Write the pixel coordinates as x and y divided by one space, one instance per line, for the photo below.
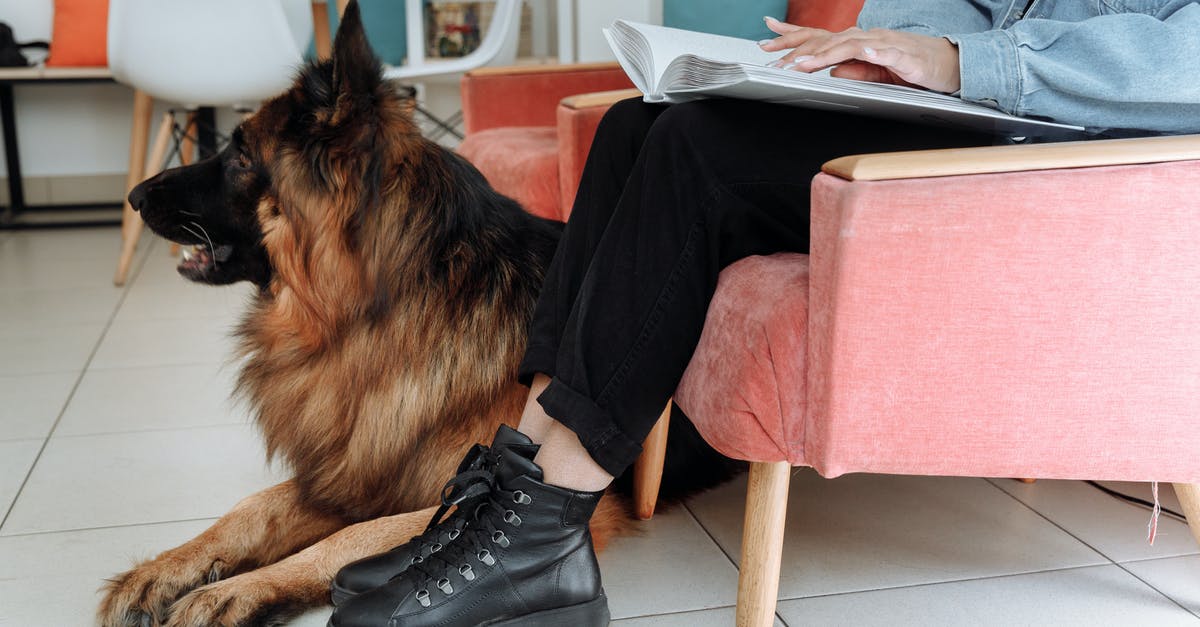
859 71
779 27
791 39
857 49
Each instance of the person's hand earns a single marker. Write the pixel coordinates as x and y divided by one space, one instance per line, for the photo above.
877 55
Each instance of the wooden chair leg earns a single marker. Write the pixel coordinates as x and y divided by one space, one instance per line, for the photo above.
648 469
131 223
1189 497
187 154
143 109
762 543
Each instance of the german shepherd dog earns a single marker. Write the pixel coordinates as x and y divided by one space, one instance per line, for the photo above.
394 292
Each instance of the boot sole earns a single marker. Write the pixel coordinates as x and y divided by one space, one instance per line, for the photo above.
594 613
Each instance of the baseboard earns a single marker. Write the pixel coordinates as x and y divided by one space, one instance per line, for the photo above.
69 190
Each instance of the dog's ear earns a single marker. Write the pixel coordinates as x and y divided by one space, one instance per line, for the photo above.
356 69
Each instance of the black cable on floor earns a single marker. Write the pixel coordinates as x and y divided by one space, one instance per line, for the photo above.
1135 500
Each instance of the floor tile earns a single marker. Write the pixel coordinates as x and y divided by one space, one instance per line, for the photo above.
139 343
41 350
722 617
1103 595
1112 527
31 403
29 309
864 532
1176 577
15 460
53 579
138 478
180 298
670 565
61 258
159 397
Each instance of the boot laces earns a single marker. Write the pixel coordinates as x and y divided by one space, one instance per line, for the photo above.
474 480
483 532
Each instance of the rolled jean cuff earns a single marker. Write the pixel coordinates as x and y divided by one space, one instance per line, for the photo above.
603 439
538 359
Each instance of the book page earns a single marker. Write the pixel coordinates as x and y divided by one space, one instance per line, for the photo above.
666 44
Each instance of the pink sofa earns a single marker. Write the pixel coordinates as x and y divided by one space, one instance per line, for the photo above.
1017 311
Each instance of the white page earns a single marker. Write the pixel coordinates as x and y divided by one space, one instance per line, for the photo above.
668 43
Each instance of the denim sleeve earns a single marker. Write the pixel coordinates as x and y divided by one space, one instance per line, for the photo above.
1119 71
933 17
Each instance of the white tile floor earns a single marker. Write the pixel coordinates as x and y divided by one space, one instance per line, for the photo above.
105 389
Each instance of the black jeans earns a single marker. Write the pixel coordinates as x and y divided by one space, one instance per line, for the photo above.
671 195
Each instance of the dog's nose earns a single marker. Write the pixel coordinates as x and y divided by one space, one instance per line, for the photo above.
137 198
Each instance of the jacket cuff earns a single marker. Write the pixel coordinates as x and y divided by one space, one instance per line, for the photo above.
989 70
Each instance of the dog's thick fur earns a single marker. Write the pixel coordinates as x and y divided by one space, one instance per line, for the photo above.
395 290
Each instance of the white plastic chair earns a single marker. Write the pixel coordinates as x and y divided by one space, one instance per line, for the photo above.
216 53
499 47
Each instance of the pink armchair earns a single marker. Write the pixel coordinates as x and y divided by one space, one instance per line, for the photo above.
1016 311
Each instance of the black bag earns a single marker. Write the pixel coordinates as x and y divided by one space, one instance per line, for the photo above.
10 50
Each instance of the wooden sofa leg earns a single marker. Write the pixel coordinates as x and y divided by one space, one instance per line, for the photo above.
1189 497
648 469
762 543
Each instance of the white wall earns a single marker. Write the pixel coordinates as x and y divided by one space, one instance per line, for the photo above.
80 130
593 15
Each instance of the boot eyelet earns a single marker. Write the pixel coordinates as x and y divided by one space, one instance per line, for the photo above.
485 556
444 585
418 559
511 518
521 498
437 546
501 539
467 572
454 533
423 598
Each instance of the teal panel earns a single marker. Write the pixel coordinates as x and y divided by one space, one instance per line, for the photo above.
735 18
384 20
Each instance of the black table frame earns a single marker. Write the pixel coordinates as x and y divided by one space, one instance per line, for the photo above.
16 187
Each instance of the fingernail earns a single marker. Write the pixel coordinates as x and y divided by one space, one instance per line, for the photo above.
768 18
765 42
775 63
870 52
802 58
789 66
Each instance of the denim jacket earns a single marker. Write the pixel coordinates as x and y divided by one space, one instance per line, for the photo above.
1102 64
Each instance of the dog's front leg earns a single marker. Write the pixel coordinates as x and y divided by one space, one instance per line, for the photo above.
261 529
274 593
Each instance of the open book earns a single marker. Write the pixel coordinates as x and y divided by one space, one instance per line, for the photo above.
671 65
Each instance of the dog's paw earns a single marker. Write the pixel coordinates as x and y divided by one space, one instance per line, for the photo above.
142 596
247 600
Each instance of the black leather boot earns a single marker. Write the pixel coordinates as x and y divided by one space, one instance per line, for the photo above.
524 558
470 486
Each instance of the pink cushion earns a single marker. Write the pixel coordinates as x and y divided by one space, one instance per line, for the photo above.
744 388
521 163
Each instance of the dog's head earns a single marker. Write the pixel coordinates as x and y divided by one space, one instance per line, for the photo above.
295 185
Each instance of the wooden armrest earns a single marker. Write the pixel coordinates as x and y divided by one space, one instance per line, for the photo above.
542 68
1018 158
599 99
